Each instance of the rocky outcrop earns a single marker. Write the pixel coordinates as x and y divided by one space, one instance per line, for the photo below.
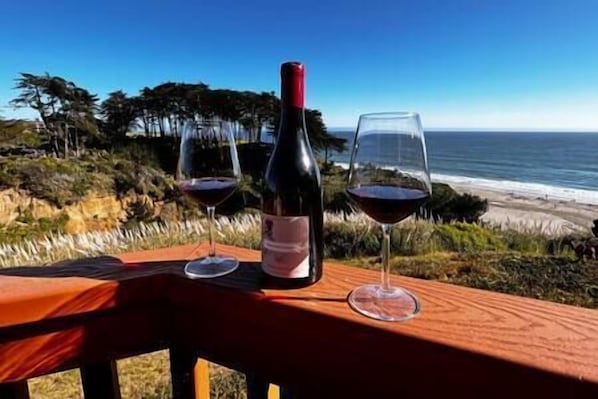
14 203
93 212
595 228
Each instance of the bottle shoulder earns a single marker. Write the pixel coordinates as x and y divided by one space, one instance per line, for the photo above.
284 172
297 158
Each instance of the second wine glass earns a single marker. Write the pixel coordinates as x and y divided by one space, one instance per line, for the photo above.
208 172
389 180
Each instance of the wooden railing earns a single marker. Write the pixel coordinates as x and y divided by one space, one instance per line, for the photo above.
465 343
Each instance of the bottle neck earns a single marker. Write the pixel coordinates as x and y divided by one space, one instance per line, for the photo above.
292 91
292 125
292 115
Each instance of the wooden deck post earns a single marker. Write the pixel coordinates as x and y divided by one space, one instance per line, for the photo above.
257 387
100 381
14 390
190 375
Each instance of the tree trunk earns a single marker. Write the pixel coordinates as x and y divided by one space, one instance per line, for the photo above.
161 126
145 121
259 132
77 153
169 120
176 126
56 147
65 135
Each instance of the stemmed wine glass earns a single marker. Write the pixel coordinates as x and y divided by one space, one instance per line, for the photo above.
388 180
208 172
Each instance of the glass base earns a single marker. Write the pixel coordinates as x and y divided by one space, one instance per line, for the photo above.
211 266
396 304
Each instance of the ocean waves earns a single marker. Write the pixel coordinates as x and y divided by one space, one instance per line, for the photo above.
526 189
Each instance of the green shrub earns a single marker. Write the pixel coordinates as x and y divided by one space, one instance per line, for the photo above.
17 133
447 205
156 152
346 240
138 152
58 181
467 237
527 242
9 175
333 184
413 238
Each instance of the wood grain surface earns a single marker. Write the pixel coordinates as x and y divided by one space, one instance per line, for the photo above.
466 342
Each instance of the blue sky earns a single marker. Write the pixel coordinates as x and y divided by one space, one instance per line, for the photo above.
460 63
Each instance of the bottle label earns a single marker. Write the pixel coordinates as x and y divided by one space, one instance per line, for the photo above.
285 246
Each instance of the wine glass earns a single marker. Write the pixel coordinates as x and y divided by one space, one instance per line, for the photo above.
208 172
388 180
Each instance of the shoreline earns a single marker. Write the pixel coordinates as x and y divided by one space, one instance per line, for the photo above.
509 209
531 190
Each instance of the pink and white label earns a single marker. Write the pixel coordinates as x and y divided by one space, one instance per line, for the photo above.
285 246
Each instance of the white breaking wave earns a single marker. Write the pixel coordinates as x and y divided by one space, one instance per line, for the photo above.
531 190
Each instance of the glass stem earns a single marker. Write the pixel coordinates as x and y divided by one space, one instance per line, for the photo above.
211 212
386 257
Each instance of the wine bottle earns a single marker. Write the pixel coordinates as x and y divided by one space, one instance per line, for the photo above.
292 210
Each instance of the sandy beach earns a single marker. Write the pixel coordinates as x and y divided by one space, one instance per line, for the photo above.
520 211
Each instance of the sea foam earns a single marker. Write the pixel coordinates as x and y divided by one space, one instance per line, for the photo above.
531 190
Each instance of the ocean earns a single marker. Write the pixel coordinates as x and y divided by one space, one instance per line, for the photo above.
562 166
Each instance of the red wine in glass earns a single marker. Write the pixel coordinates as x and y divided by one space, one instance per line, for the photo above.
387 204
209 191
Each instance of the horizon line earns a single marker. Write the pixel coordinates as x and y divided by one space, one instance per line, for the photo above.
493 129
434 129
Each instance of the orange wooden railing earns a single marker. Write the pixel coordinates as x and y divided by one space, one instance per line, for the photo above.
466 343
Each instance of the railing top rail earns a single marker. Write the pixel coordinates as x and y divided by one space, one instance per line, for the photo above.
466 338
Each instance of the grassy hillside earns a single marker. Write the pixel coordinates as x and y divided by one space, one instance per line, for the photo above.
18 134
62 181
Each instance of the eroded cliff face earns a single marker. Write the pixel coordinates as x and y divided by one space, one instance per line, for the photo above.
93 212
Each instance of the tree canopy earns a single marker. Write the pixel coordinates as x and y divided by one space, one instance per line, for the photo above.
69 112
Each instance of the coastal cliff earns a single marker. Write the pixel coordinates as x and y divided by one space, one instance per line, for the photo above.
95 211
